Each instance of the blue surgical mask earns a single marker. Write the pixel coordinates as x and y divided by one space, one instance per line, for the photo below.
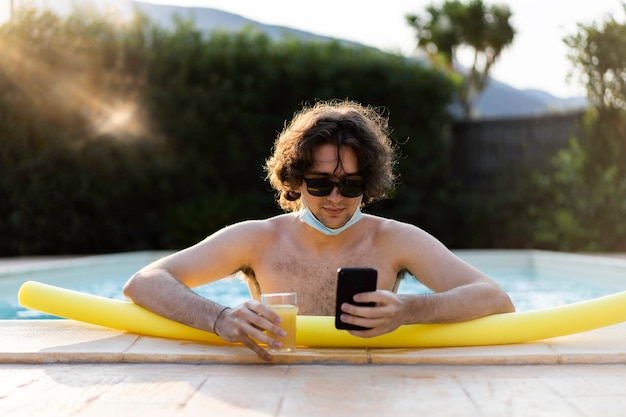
307 217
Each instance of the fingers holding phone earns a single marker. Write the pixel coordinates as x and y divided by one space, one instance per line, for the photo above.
352 281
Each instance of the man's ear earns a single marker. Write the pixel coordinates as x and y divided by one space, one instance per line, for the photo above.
292 195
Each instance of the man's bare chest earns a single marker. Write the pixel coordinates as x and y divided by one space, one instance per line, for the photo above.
314 277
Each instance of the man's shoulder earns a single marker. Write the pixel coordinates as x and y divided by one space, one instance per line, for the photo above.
384 224
390 230
279 221
268 225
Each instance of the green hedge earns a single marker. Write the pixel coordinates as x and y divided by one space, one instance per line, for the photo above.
116 139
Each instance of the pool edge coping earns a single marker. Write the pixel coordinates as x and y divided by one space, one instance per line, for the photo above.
580 352
72 342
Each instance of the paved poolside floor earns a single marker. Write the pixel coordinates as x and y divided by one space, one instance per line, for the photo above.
66 368
295 390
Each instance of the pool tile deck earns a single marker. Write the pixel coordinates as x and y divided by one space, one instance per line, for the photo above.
67 341
66 368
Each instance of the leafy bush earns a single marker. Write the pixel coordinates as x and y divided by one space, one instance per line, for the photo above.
125 138
577 212
582 206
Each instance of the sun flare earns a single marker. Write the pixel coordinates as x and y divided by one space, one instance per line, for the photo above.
118 119
74 83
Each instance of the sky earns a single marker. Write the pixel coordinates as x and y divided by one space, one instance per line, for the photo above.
537 59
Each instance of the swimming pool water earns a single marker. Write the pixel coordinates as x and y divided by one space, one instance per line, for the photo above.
531 291
528 290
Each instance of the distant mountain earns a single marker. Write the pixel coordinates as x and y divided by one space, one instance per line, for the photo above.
208 19
565 103
498 99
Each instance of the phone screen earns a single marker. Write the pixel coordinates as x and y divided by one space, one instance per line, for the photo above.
351 281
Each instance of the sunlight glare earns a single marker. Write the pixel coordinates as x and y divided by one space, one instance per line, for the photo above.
71 89
118 119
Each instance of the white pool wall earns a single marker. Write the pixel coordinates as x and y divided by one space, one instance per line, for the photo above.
609 272
72 271
600 270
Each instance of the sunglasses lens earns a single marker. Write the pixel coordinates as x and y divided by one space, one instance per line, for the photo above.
319 187
352 188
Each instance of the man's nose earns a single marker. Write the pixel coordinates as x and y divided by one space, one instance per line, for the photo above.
335 194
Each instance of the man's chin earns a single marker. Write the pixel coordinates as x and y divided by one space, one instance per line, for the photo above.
333 224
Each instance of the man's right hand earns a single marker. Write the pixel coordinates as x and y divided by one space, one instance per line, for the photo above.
247 324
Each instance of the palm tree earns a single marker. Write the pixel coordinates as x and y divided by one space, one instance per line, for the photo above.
487 30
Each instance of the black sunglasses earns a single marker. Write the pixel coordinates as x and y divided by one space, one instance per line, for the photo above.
321 187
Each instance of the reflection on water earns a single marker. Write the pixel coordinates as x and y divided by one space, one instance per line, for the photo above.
528 290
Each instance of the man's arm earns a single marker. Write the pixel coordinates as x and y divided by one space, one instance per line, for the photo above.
164 288
461 292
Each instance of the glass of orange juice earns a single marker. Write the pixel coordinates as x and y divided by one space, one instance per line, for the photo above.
285 304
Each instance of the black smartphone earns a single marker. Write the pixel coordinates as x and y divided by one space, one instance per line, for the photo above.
351 281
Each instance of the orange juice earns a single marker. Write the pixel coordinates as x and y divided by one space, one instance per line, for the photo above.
288 313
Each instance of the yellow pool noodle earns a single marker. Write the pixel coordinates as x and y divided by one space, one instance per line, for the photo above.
317 331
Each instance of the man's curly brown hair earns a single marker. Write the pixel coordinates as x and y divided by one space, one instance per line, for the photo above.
340 123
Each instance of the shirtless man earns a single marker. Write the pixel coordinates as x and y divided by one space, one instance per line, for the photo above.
331 160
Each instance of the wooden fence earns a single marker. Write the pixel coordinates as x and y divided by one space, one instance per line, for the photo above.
489 152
